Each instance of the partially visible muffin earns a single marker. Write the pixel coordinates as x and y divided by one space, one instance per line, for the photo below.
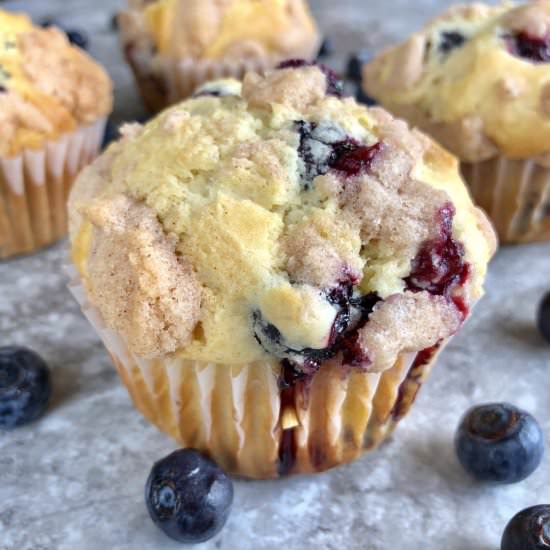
274 268
175 45
477 79
53 103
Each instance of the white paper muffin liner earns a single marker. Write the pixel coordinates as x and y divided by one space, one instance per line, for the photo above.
515 194
34 188
238 415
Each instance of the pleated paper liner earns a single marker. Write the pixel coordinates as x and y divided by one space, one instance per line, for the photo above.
34 188
170 81
238 415
516 196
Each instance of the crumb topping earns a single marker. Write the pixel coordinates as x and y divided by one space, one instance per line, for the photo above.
281 222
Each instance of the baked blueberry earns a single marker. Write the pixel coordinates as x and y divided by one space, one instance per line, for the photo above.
543 317
528 530
450 40
500 443
439 266
532 48
324 146
188 496
25 386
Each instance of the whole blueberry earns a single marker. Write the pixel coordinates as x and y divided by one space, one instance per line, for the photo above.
25 386
188 496
355 64
500 443
543 317
528 530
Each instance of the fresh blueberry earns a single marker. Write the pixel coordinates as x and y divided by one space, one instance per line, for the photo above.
25 387
188 496
77 38
528 530
355 64
500 443
543 317
326 49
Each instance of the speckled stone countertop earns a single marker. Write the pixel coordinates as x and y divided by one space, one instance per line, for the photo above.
75 479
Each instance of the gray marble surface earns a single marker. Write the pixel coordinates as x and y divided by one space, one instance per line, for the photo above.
75 479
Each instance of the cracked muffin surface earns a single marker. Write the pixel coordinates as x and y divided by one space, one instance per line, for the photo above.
476 78
278 220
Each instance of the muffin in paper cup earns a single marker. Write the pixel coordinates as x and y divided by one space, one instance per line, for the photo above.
477 79
274 270
174 47
53 105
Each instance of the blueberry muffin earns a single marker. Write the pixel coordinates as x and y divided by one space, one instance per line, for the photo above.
477 79
53 103
173 46
274 268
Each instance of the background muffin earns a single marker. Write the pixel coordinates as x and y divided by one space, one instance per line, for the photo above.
274 270
175 45
477 79
53 103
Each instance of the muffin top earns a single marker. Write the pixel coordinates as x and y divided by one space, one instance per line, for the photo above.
278 221
477 78
47 86
233 29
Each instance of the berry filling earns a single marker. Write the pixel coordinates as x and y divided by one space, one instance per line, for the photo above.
353 312
439 267
335 86
450 40
409 388
533 48
324 146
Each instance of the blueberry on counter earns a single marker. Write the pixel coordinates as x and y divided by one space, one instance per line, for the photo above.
25 386
528 530
188 496
355 63
500 443
543 317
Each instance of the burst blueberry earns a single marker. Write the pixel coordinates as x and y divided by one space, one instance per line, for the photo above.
25 386
528 530
188 496
500 443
